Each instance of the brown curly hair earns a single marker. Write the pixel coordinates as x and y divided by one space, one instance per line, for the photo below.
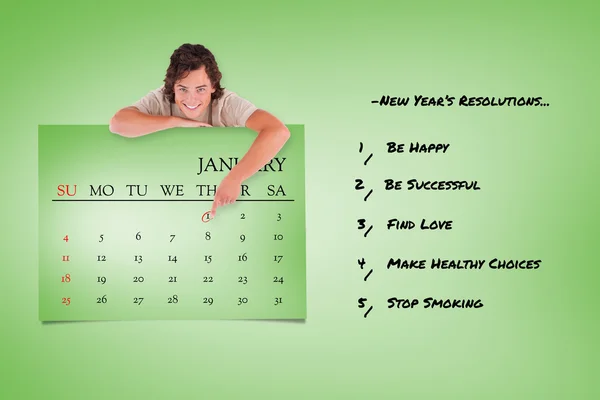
189 57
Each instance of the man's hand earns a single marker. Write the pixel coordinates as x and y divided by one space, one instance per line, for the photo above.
227 193
190 123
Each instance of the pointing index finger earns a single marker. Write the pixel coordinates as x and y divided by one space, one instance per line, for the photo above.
213 211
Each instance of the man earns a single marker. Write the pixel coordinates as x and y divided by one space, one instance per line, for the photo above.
192 96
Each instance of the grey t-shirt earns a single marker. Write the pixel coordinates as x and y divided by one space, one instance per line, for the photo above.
229 110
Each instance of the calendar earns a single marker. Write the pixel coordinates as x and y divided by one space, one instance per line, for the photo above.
125 234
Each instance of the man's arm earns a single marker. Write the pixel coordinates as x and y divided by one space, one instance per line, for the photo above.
272 135
131 122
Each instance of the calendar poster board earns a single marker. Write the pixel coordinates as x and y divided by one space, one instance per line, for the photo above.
125 234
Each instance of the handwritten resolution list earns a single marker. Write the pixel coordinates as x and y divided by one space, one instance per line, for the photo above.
415 184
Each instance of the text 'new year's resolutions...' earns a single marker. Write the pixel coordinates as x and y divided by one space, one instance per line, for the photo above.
395 262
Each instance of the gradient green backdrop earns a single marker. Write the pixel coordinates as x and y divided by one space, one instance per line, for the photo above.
320 65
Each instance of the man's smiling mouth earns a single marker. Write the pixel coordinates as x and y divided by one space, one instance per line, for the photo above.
190 107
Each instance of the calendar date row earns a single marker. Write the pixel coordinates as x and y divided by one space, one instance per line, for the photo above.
174 299
207 236
67 278
138 258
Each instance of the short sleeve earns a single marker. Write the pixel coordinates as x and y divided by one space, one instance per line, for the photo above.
153 103
236 110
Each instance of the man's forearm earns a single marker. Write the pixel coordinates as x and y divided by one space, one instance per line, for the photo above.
134 123
264 148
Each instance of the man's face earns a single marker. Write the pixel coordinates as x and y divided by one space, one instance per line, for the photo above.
192 93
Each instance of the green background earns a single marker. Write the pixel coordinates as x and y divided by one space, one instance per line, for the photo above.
106 236
320 64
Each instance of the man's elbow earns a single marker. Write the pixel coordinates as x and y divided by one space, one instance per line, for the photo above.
115 125
284 133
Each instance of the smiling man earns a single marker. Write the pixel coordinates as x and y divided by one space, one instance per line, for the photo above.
192 96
